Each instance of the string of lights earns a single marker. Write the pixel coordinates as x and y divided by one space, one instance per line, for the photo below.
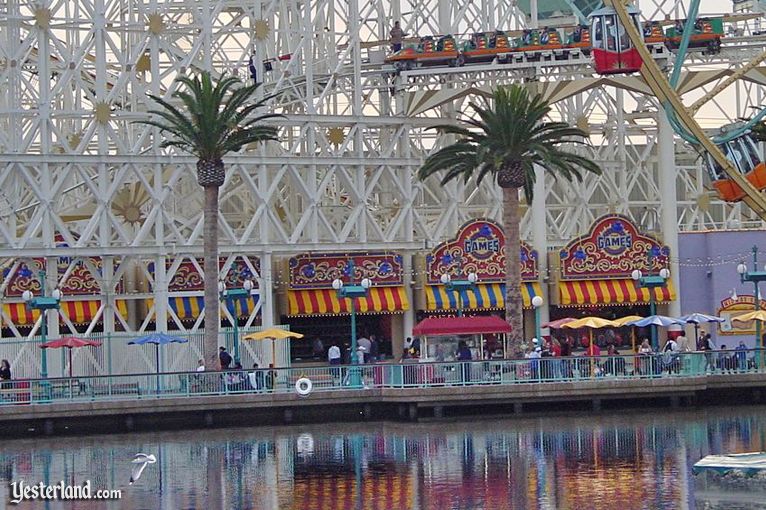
280 278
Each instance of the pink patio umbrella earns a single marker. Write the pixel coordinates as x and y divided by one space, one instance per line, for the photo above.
558 323
69 342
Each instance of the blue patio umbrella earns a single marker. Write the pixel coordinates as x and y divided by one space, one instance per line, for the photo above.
697 319
655 320
158 339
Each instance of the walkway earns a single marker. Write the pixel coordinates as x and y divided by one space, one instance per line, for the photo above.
407 390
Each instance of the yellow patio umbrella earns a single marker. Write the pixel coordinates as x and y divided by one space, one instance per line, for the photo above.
758 315
591 323
623 321
273 334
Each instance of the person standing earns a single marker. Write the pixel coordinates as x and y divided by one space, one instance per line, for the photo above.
740 354
253 67
708 348
670 356
566 352
534 356
199 382
396 37
645 360
333 356
684 345
271 378
364 343
464 354
225 358
256 378
374 349
5 372
318 348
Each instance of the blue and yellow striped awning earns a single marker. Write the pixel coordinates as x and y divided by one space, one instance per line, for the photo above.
191 307
485 296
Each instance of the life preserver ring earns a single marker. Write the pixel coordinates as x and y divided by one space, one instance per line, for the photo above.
303 386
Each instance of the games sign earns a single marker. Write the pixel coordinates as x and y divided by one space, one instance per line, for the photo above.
318 270
479 247
613 248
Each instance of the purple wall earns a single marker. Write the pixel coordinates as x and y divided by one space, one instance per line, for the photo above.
708 273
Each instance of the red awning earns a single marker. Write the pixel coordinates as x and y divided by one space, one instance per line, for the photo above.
435 326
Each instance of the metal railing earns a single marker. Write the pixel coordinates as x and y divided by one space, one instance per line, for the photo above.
117 356
383 375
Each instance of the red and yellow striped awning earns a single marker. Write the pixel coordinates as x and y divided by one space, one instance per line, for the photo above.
611 292
78 312
326 301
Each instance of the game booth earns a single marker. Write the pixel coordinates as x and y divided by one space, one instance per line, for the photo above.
438 340
478 251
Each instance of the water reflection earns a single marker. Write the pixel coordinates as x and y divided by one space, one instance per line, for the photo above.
630 462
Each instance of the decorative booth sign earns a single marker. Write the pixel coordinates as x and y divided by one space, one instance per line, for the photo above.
187 277
479 247
614 248
77 271
730 308
79 280
318 270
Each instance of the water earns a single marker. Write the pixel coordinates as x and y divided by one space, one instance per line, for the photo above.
637 460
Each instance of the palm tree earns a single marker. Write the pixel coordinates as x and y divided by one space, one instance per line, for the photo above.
216 119
506 142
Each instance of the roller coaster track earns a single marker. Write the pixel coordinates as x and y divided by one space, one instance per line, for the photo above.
672 103
740 72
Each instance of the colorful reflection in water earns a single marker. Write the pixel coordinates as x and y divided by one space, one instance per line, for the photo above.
633 461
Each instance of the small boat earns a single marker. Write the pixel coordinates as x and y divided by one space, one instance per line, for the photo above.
746 463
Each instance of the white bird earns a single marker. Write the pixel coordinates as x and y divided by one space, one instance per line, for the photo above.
140 461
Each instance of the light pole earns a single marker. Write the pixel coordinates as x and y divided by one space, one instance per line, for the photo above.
352 292
651 283
230 296
43 303
458 286
537 303
754 276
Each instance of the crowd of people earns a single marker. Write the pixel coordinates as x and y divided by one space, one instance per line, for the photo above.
647 361
541 353
368 350
234 378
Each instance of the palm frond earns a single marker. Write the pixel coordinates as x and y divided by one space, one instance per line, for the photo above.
214 118
513 130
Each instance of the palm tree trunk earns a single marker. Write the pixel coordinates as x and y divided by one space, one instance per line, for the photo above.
513 303
212 318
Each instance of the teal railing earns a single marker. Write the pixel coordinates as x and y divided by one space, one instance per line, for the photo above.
403 375
117 356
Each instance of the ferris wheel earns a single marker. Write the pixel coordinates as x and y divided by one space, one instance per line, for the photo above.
735 166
